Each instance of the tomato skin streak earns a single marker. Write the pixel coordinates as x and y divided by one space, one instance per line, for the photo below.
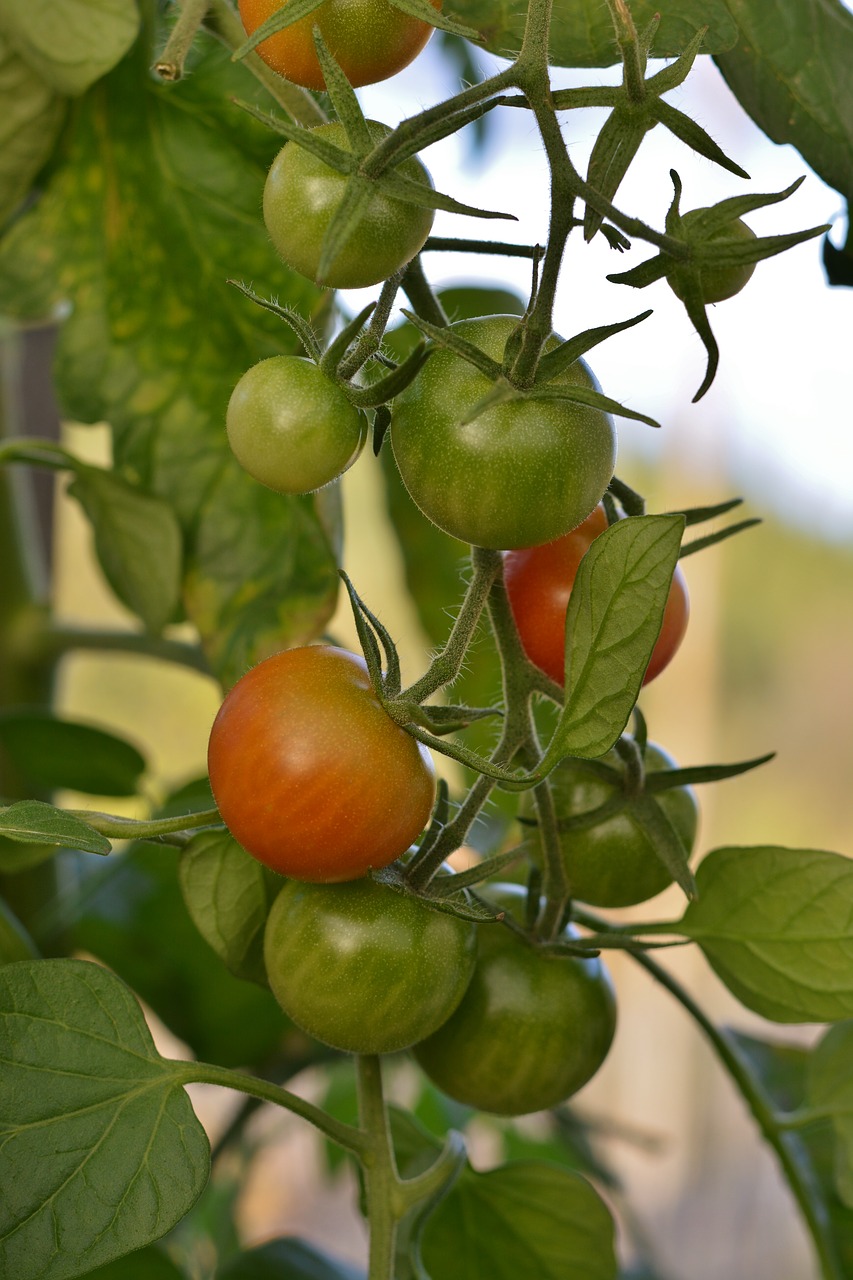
370 39
309 772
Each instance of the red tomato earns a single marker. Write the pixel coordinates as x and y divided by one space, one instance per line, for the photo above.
539 583
310 774
370 39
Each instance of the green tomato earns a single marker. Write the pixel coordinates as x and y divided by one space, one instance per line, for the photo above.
614 864
522 472
301 196
363 968
719 282
291 427
532 1027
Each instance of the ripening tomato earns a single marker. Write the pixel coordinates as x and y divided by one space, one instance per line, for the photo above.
530 1030
539 582
364 968
310 773
370 39
613 863
519 473
291 427
301 196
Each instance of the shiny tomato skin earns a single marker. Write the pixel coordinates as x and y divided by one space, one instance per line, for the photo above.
532 1027
310 774
363 968
522 472
613 864
292 428
539 583
370 39
302 194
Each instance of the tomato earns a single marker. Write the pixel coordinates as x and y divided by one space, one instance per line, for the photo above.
291 427
523 472
309 772
532 1027
614 864
370 39
301 196
719 282
364 968
539 582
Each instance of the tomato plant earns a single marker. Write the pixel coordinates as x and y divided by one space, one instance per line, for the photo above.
719 281
310 774
370 39
291 427
520 472
363 968
539 584
532 1027
301 196
613 863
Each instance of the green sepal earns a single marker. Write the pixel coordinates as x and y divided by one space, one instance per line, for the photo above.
615 147
719 535
556 361
418 193
289 13
453 902
587 396
424 12
369 626
450 719
291 317
392 383
450 341
343 98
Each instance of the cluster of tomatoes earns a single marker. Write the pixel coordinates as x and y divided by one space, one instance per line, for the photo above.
310 773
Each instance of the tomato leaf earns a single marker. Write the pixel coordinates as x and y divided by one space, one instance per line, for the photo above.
101 1150
34 822
151 208
62 753
830 1087
146 1264
613 620
228 894
523 1218
31 116
790 70
776 925
582 33
15 942
287 1259
70 43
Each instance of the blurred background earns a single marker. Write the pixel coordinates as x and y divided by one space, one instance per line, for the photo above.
767 664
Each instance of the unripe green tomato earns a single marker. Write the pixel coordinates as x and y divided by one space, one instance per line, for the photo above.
720 282
291 427
613 864
301 196
532 1027
522 472
363 968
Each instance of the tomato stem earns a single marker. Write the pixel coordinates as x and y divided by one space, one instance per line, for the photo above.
170 65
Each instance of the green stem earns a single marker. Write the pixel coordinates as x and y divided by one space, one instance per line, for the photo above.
381 1179
52 642
140 829
424 302
810 1204
170 65
344 1135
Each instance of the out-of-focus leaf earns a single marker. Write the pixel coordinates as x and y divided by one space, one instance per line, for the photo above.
146 1264
287 1259
15 942
154 203
31 116
55 753
70 43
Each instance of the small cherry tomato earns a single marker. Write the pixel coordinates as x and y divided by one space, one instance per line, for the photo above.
310 774
539 582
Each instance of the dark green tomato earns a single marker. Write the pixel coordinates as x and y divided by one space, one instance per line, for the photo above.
613 864
719 282
301 196
291 427
531 1029
363 968
522 472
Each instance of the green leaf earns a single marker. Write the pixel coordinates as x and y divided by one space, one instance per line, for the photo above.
145 1264
101 1152
137 540
133 918
287 1259
62 753
528 1218
34 822
153 207
31 116
830 1087
582 33
15 942
613 620
228 895
70 43
790 70
776 925
15 857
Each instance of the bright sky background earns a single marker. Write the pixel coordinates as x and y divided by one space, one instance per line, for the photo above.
777 422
